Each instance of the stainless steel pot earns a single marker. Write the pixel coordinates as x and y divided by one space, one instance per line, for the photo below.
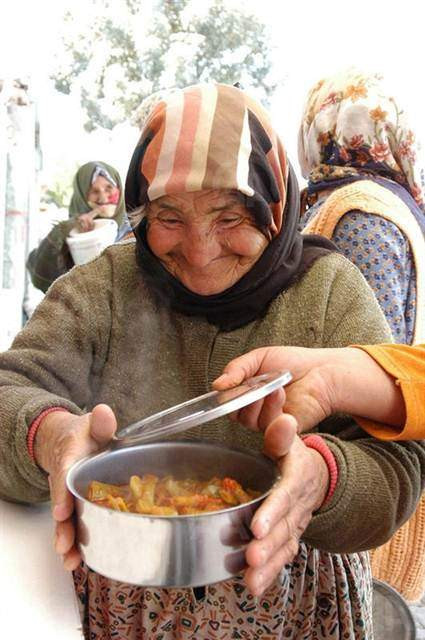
166 551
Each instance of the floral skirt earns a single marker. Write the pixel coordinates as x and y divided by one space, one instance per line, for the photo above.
320 596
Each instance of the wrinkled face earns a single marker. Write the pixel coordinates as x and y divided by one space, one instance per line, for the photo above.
206 239
102 194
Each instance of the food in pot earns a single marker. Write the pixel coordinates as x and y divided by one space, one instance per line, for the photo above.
168 496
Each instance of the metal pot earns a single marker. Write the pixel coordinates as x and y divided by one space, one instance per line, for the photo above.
392 618
168 551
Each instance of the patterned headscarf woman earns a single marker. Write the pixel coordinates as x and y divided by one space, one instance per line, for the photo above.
351 131
217 137
52 258
351 127
85 177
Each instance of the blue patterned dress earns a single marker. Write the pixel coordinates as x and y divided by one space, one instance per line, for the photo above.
383 255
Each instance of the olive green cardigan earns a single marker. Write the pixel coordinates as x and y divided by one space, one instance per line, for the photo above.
101 336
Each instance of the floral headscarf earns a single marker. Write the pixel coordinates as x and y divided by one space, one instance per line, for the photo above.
350 126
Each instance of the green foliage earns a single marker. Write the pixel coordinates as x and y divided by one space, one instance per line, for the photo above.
60 191
114 60
57 195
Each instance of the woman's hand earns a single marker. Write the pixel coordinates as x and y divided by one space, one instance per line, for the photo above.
62 439
284 515
106 210
324 381
309 397
85 221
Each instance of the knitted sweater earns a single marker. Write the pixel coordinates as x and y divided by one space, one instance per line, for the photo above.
100 335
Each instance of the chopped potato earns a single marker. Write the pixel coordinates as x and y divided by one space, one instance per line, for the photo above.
116 503
101 491
169 496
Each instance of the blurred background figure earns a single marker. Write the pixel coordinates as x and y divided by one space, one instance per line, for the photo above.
97 193
365 191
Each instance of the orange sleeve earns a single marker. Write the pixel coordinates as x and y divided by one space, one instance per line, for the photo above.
407 365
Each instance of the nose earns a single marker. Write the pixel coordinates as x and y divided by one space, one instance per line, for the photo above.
200 247
102 198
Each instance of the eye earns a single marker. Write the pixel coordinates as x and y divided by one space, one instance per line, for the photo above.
169 218
230 219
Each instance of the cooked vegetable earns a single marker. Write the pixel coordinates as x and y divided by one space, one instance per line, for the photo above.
168 496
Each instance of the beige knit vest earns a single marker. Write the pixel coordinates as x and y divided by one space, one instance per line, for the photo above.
367 196
401 561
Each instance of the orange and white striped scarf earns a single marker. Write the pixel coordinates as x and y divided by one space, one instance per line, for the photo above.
217 137
210 136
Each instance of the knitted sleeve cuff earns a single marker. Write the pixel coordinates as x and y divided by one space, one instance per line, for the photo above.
316 442
32 431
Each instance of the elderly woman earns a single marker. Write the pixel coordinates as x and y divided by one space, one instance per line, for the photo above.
365 191
218 268
97 193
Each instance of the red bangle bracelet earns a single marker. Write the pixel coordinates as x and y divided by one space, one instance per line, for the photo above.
314 441
32 431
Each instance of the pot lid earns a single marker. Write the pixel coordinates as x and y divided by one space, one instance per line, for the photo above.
202 409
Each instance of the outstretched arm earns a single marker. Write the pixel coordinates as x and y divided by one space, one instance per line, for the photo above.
325 381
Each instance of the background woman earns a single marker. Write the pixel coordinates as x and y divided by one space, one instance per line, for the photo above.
97 193
365 191
218 268
365 187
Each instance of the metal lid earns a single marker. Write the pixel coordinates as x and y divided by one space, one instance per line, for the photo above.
201 409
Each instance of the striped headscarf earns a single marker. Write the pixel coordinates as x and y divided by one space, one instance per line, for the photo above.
352 126
211 136
214 136
147 105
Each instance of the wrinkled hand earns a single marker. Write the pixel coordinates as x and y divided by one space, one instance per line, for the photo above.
62 439
309 397
85 221
284 515
325 381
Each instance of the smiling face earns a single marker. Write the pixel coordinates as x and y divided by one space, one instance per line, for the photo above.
206 239
103 196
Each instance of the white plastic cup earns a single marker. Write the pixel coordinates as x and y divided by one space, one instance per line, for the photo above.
84 246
